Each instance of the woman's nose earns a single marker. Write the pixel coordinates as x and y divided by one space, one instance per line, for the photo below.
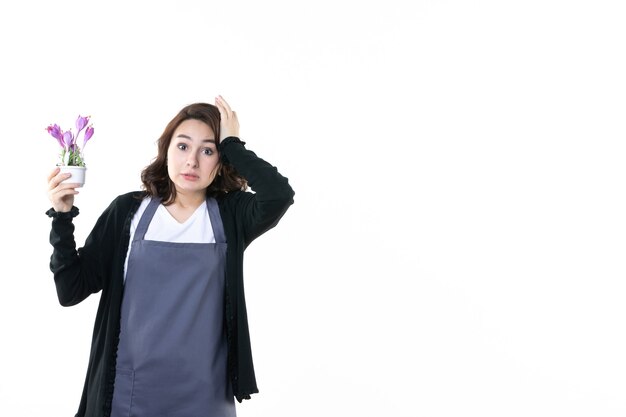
192 161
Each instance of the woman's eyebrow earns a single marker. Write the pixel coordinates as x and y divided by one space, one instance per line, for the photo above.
182 135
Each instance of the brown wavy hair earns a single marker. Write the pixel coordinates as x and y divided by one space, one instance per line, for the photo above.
155 179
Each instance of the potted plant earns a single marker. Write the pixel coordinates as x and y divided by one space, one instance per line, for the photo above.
71 155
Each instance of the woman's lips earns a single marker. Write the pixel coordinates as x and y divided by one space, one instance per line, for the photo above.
190 177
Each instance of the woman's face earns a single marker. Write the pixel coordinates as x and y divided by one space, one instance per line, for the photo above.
192 158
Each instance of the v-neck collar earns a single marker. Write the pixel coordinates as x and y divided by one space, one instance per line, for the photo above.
189 219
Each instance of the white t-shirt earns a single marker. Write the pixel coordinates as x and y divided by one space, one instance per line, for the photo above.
165 228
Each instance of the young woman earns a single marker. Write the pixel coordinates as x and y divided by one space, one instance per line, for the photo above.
171 334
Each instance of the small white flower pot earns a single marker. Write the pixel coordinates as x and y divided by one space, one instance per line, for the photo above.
78 174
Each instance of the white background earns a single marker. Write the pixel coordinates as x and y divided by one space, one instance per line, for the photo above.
457 243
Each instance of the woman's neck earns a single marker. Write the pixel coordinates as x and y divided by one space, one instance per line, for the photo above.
185 205
189 200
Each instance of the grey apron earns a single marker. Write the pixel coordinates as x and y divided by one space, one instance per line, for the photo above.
171 358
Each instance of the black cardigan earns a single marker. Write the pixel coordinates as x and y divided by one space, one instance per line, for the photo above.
99 266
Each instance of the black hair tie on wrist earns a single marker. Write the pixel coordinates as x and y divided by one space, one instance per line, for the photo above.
226 141
63 215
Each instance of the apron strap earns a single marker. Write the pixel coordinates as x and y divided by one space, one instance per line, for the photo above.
216 220
144 222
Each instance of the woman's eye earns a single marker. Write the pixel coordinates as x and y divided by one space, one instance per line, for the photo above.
208 151
182 146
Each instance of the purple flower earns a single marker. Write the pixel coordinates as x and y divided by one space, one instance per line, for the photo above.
68 138
88 134
55 132
81 122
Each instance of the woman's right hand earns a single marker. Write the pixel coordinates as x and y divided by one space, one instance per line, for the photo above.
229 123
61 194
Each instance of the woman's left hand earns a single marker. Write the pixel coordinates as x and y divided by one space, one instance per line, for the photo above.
229 124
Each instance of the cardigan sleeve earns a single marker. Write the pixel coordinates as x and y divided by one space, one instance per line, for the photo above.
261 210
78 273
